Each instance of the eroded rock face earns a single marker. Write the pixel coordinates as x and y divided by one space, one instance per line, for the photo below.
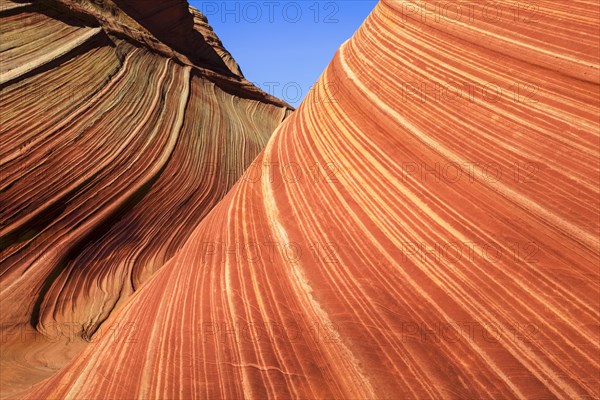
424 226
114 145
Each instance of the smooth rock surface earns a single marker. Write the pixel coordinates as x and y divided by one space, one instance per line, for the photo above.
112 149
425 225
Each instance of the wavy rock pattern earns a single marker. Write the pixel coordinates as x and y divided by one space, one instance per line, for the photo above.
110 156
394 239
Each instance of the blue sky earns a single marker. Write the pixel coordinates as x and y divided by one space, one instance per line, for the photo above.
284 46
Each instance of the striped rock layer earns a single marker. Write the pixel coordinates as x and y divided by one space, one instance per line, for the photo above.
113 147
425 225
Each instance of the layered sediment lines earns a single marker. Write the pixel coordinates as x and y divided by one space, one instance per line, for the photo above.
110 156
424 226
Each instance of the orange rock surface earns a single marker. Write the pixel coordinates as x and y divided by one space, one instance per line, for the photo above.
113 147
425 225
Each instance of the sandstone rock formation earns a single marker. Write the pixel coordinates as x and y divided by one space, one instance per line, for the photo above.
425 225
114 144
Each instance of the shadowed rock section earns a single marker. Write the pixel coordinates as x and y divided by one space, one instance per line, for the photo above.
396 239
113 147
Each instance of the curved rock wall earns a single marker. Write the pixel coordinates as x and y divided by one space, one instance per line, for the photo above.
425 225
110 156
